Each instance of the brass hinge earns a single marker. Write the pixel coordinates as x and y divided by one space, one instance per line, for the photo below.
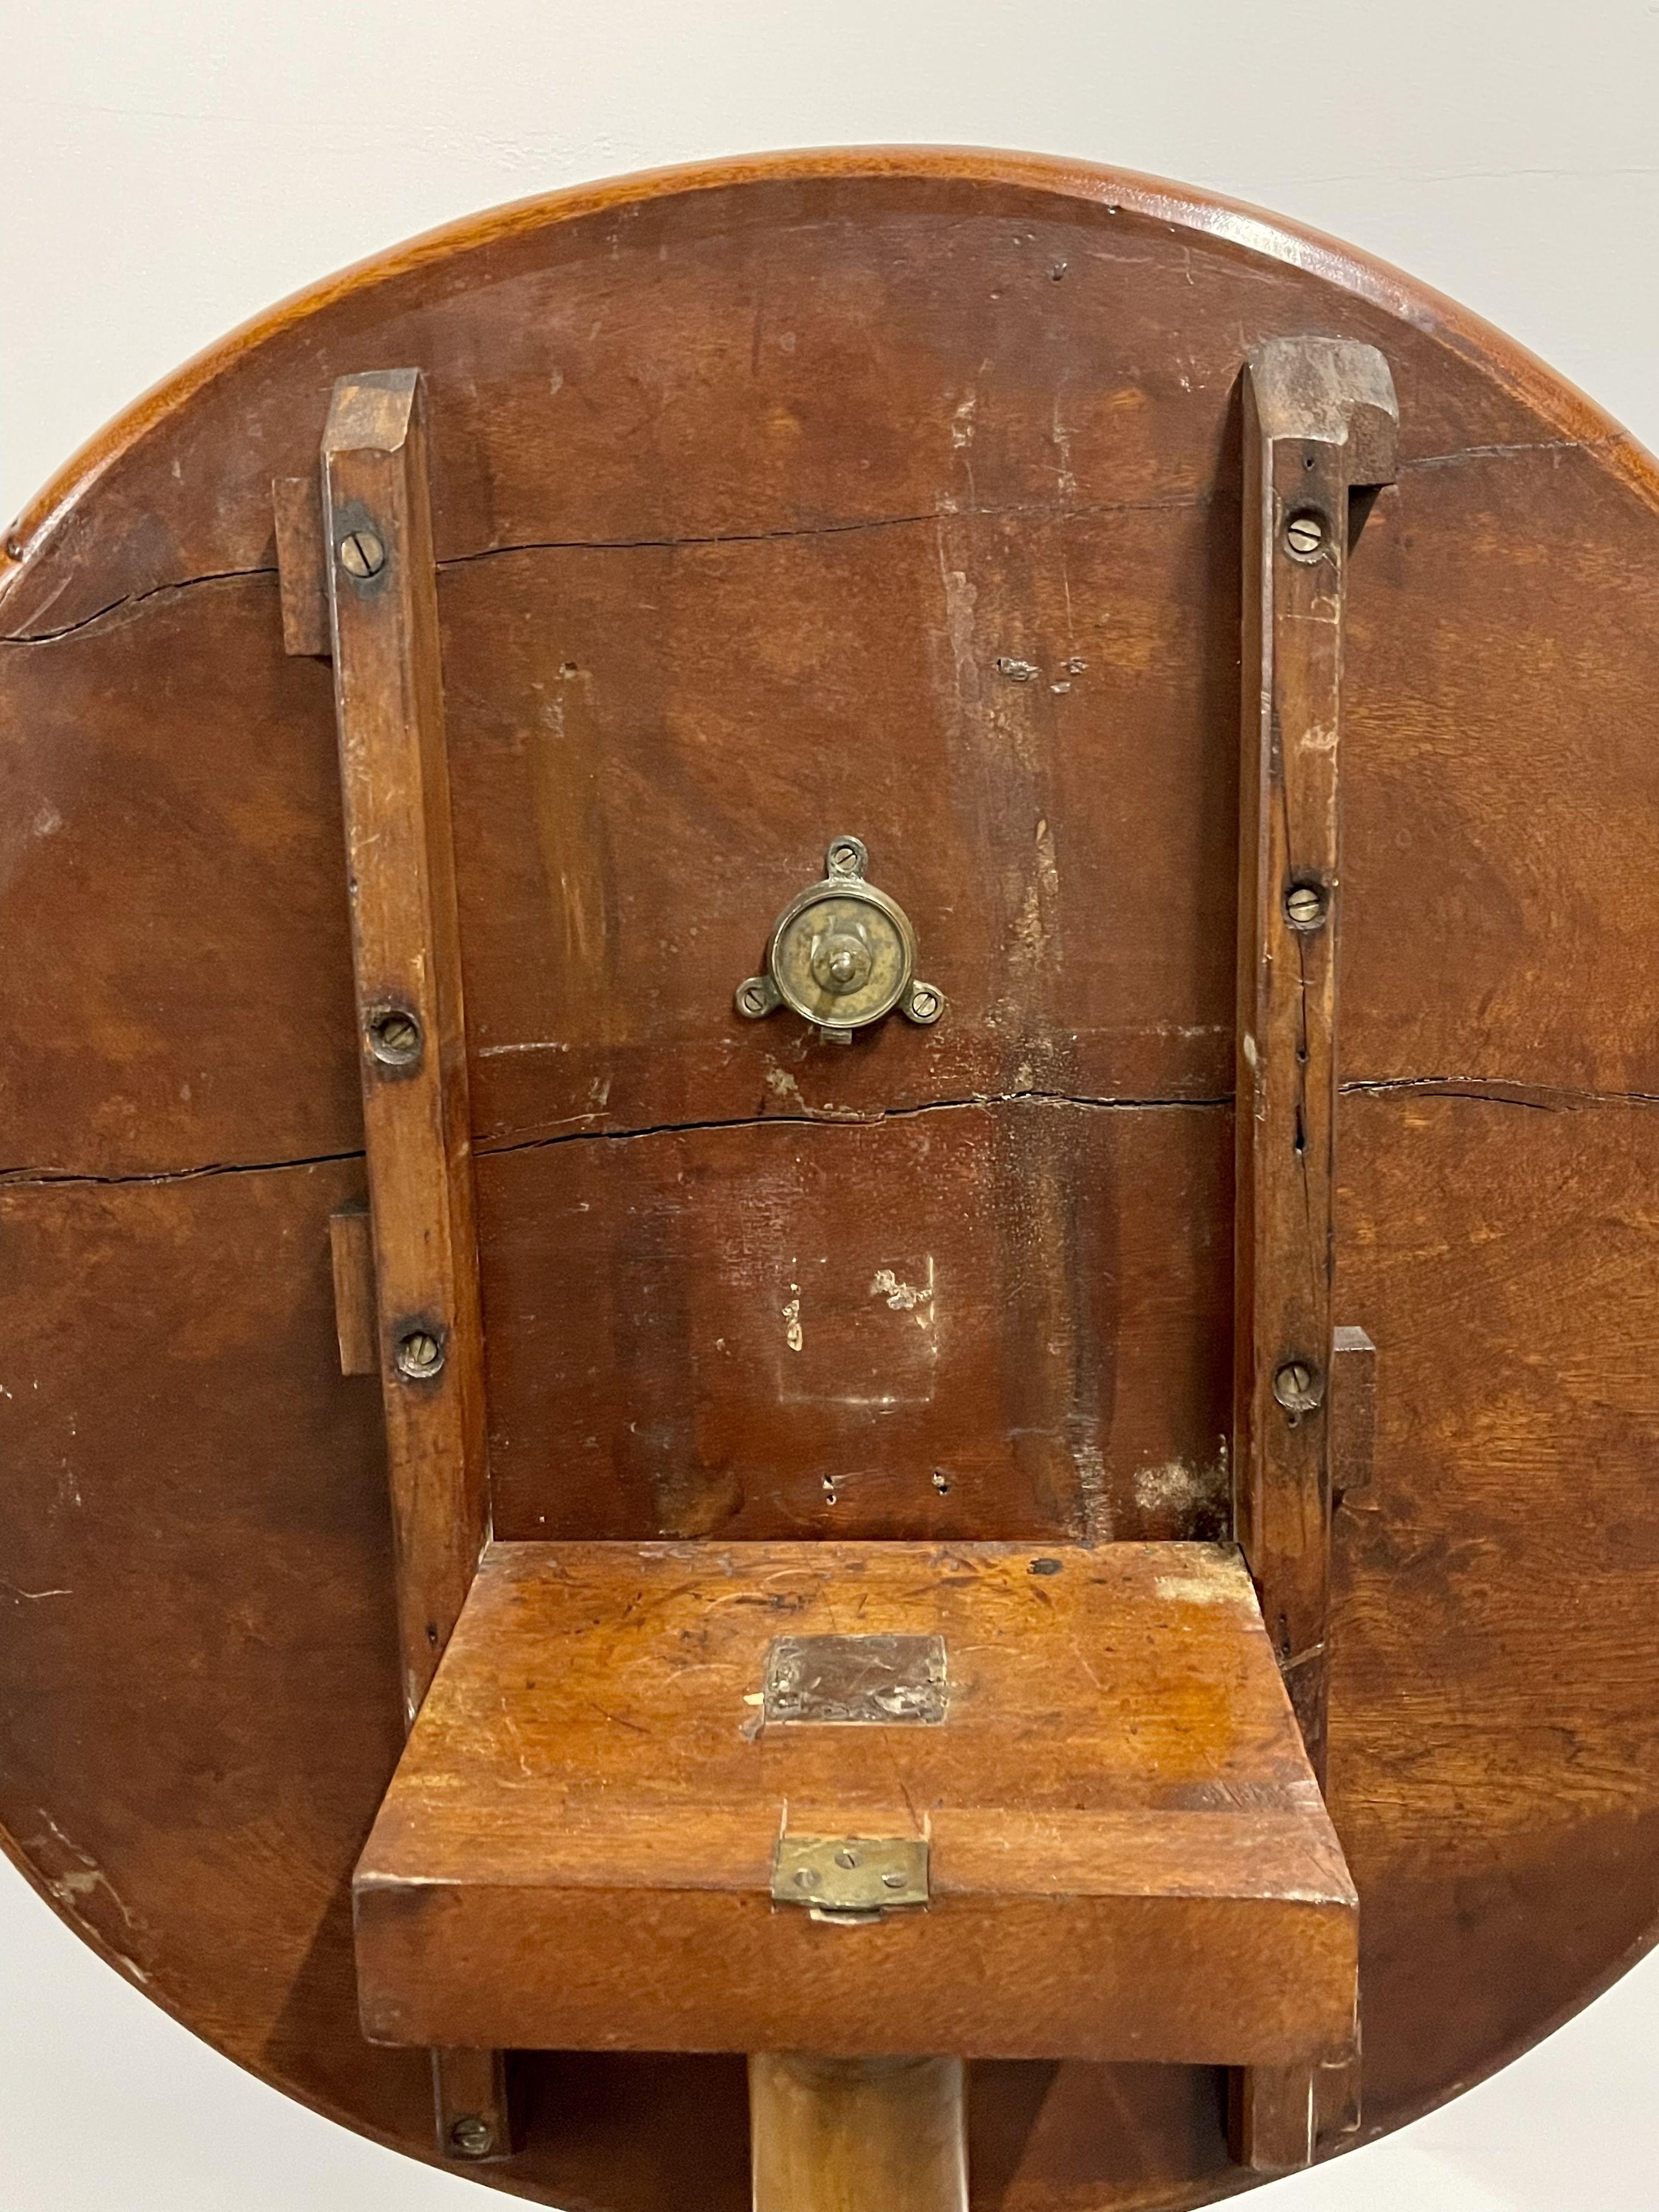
850 1878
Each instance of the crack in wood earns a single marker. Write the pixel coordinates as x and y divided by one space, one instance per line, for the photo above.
45 1178
131 599
1493 1090
1043 510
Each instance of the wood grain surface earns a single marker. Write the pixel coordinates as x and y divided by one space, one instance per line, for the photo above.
1128 1856
837 2135
769 502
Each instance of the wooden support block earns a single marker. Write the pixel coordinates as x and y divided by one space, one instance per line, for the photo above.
301 565
1353 1411
405 945
351 1251
470 2105
1279 2118
1321 431
1081 1767
857 2134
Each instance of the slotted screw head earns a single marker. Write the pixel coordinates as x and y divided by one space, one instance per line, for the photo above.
420 1355
471 2136
893 1879
1305 905
362 554
1304 534
846 1858
394 1037
1296 1386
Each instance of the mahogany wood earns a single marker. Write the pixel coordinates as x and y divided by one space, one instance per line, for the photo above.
302 565
857 2134
1319 421
472 2105
388 687
388 691
1129 1855
1320 433
726 1339
1278 2119
356 1318
751 520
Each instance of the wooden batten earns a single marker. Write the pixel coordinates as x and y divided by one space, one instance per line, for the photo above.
1320 425
388 691
405 939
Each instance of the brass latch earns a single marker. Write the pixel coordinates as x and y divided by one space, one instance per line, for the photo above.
842 955
850 1878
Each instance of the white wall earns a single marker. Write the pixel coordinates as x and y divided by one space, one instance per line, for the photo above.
168 168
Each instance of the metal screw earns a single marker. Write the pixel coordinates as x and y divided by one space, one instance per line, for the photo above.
420 1355
892 1879
924 1003
846 1858
471 2136
1305 905
806 1878
846 857
1304 534
394 1037
1297 1387
362 554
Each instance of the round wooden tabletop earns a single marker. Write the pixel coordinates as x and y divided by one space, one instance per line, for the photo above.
893 494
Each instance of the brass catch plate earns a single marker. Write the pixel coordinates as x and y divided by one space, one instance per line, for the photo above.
882 1680
854 1875
842 955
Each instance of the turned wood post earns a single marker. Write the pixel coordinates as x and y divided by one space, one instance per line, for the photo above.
857 2134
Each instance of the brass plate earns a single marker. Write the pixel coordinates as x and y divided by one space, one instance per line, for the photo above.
856 1680
850 1875
845 958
